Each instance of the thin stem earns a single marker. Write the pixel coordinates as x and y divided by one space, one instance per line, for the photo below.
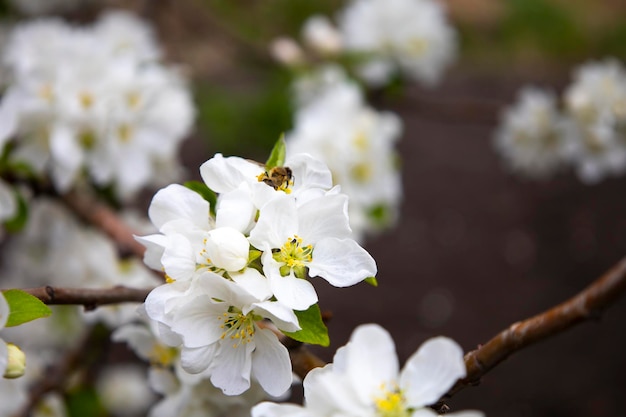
102 217
588 304
88 297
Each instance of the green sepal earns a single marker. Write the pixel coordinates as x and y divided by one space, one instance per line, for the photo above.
313 330
253 255
24 307
17 222
372 281
204 191
277 157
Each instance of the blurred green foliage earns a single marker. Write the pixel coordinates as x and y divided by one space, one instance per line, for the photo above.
245 121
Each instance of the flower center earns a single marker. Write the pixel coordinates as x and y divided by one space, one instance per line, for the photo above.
391 404
294 256
206 262
162 355
279 178
237 327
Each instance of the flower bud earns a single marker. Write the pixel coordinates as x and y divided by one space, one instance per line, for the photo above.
319 33
16 365
287 52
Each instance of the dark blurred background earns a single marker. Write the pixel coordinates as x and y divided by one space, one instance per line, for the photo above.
476 249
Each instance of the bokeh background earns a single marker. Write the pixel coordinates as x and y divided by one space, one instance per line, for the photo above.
476 248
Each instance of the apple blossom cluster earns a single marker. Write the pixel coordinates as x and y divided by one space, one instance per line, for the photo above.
243 261
536 138
38 256
333 123
93 103
364 380
382 37
184 394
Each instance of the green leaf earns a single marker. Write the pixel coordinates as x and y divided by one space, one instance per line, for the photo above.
84 401
24 307
18 221
313 330
277 156
372 281
204 191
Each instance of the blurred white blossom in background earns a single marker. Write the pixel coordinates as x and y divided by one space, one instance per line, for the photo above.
410 36
94 99
334 123
536 138
532 134
596 103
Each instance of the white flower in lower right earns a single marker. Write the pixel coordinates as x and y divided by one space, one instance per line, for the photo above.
365 381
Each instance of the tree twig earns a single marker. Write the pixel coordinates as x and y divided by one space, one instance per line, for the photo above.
90 298
102 217
587 304
56 377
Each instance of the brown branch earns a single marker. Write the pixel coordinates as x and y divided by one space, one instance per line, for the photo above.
102 217
90 298
588 304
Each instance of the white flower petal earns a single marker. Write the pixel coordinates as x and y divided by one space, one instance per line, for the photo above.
253 282
324 217
174 202
283 317
226 174
295 293
155 245
198 321
196 360
4 311
4 357
270 363
267 409
331 394
228 248
309 172
231 369
341 262
432 371
371 360
236 209
278 221
179 259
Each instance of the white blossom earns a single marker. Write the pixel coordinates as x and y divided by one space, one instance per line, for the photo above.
358 145
123 390
189 397
320 34
596 102
216 319
364 380
94 99
532 136
412 36
313 238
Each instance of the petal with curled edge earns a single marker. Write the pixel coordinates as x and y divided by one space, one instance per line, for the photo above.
271 365
341 262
